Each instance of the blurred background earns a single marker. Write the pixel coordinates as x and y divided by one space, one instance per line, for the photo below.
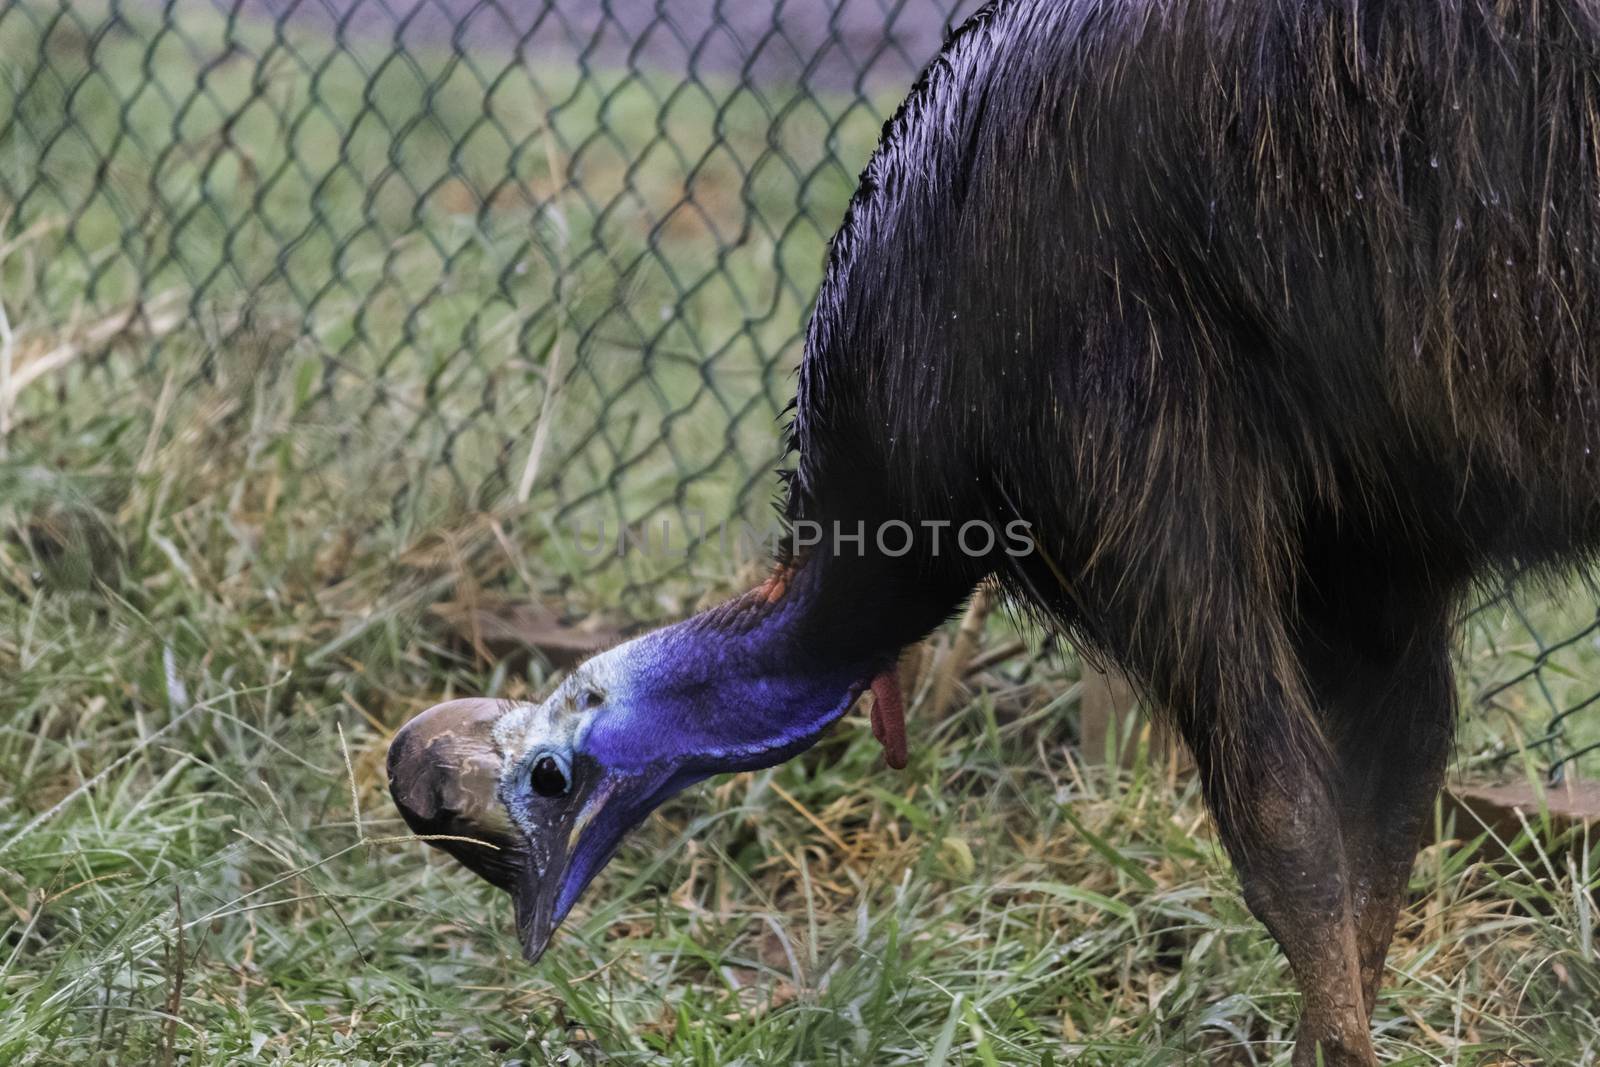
332 333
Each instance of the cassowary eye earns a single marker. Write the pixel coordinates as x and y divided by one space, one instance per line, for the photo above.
546 777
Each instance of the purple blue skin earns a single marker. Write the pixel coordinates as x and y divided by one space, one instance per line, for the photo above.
731 690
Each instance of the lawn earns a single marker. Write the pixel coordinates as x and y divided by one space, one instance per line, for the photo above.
311 341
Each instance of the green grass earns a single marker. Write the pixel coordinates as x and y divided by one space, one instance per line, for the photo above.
221 533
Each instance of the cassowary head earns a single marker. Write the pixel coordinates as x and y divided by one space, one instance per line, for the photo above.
535 798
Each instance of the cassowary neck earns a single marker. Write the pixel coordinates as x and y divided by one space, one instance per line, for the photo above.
756 680
784 660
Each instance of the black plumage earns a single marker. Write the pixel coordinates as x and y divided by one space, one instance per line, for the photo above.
1276 321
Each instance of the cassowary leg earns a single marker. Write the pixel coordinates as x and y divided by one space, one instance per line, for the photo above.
1392 751
1278 817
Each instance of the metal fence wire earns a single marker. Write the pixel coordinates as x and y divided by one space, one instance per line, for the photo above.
550 258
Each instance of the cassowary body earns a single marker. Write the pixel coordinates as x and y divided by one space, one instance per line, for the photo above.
1272 320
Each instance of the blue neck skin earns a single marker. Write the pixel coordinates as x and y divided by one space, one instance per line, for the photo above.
733 689
738 688
743 686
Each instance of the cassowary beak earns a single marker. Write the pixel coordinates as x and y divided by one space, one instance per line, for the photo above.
445 774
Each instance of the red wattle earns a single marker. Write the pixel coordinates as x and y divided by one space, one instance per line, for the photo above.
889 718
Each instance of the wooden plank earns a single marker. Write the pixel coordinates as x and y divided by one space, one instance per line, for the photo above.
1109 713
1503 809
499 627
1103 709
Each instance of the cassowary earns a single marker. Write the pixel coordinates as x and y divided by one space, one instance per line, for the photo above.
1274 322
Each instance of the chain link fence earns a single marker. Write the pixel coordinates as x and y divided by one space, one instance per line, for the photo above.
547 259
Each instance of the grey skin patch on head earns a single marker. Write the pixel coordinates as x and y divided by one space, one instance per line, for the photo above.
559 723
